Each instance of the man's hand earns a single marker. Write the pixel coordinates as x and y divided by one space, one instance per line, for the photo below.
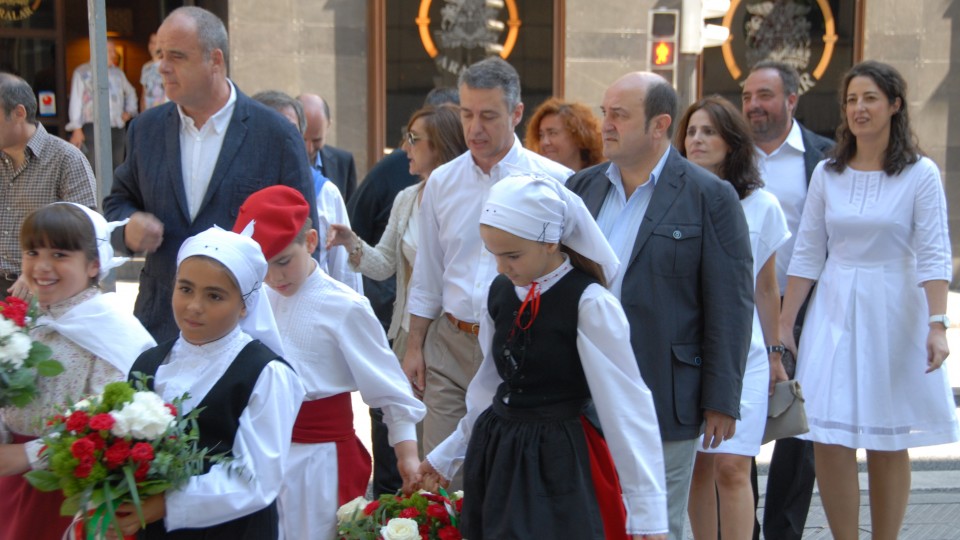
154 508
19 289
126 117
143 233
430 478
77 138
408 464
415 369
718 427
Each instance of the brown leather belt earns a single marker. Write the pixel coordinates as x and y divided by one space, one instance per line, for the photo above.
470 328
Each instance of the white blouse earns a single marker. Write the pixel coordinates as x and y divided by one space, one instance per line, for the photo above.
632 433
253 479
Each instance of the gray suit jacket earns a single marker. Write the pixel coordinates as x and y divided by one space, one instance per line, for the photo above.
260 149
687 292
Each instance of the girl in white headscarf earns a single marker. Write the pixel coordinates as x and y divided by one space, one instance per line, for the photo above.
66 252
228 359
557 358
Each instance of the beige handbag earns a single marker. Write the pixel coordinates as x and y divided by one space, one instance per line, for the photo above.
785 414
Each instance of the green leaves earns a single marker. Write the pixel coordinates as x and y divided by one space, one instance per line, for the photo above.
43 480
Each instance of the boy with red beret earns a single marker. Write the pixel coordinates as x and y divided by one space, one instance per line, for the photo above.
335 342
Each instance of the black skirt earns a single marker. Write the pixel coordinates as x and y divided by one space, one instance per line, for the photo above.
527 475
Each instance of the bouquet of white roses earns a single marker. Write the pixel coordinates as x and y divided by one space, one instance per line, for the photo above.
123 445
22 359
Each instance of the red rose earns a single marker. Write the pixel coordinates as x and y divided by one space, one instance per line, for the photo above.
117 454
439 513
102 422
141 473
409 513
425 529
371 508
82 448
459 505
172 409
97 440
449 533
142 452
77 421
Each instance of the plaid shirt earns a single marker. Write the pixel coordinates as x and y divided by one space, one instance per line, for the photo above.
54 170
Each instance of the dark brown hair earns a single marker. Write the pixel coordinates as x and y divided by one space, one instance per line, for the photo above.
579 121
903 148
585 265
60 226
443 129
739 166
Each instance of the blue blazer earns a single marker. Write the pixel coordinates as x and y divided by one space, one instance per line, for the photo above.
687 292
260 149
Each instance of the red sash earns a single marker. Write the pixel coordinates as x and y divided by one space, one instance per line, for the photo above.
606 485
331 420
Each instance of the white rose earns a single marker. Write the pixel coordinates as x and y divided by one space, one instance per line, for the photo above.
458 494
401 529
15 349
348 510
7 327
146 417
81 405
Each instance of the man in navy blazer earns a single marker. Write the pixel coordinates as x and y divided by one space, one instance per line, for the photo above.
686 281
193 161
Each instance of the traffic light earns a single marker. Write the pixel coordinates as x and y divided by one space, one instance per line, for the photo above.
662 43
695 34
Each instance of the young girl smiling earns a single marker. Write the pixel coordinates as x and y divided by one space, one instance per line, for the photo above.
66 252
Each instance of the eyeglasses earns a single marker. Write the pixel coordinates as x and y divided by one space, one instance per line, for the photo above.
412 139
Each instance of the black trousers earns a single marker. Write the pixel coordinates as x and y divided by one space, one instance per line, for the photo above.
386 476
117 142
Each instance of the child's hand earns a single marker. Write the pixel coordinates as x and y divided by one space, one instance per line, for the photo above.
430 478
408 464
19 289
13 459
154 508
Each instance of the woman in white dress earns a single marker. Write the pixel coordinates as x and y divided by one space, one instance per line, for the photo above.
873 237
713 134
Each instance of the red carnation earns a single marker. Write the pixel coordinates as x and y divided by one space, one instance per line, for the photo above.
409 513
84 468
15 309
424 529
117 454
459 505
77 421
102 422
172 409
82 448
142 452
371 508
141 473
439 513
97 440
449 533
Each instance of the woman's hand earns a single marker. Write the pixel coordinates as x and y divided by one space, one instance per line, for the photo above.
154 508
777 373
937 349
340 235
430 478
786 337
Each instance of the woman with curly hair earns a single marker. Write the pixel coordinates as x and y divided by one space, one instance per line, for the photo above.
873 238
567 133
714 135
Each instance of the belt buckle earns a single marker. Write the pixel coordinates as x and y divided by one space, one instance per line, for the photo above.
475 328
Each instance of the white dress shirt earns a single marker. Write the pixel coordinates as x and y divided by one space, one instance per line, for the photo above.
330 209
200 149
252 480
785 175
632 433
453 270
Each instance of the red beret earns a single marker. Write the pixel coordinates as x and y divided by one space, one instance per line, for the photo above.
278 213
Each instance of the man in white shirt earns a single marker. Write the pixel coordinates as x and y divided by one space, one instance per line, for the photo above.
194 160
123 106
330 206
453 271
787 153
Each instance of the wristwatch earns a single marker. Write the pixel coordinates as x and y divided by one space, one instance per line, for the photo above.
776 349
942 319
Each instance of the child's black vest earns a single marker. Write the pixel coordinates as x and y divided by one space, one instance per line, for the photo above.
539 366
218 422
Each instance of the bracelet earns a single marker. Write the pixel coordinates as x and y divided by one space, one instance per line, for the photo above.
357 250
776 349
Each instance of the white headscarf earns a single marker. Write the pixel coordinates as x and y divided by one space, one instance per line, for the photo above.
102 231
541 209
243 257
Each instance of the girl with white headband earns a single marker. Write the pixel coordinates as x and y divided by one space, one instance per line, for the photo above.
66 252
228 357
556 343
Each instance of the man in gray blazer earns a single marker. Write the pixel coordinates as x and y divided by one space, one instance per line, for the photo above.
685 282
193 161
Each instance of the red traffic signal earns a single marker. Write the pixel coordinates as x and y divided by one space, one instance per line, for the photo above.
662 53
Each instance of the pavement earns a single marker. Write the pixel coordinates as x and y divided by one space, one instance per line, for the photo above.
933 510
